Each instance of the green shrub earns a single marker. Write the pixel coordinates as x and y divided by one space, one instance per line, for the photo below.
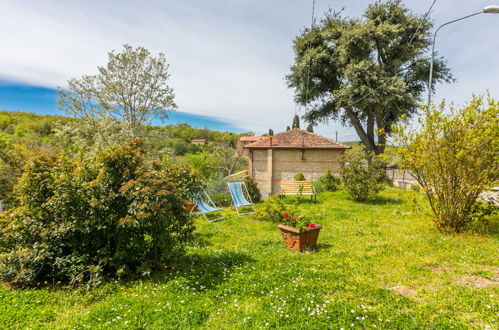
327 182
299 177
253 189
110 215
273 208
363 174
221 199
187 183
454 156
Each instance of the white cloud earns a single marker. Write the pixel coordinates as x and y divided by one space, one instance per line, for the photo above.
228 58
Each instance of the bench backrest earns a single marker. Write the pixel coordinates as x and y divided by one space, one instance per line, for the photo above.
294 187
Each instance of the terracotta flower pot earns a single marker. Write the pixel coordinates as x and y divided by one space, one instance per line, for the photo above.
296 240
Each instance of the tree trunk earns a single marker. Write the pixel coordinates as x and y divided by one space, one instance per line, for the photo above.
380 124
356 123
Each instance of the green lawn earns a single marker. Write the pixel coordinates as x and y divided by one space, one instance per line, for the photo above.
378 265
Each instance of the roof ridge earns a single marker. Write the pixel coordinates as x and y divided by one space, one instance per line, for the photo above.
298 138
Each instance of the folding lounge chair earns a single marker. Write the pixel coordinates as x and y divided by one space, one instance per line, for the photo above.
236 192
206 207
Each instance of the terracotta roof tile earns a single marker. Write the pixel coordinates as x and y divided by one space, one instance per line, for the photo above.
251 138
296 138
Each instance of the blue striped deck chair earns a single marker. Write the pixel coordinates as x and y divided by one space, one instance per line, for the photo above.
236 192
206 206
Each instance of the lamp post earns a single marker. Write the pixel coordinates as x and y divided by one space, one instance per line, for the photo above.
487 10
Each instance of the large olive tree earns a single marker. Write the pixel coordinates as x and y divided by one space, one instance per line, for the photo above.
365 72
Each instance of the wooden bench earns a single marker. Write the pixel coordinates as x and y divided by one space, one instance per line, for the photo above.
298 188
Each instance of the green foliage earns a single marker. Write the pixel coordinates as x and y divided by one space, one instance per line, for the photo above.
454 156
271 132
272 209
327 182
229 158
383 54
12 159
203 164
371 259
132 88
288 128
296 122
221 199
310 128
187 184
25 135
110 215
299 177
253 190
363 174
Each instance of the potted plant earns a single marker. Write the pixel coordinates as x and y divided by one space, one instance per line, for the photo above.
299 233
190 206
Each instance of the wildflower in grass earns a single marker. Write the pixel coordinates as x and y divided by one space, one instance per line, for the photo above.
285 215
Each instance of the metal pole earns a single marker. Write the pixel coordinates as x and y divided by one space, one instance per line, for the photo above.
433 51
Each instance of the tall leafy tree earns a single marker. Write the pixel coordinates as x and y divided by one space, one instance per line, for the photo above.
310 128
366 72
132 88
271 132
296 122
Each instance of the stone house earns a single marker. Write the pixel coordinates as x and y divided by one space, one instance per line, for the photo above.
198 141
276 158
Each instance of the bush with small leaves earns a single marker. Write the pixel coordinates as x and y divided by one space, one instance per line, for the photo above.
221 199
299 177
454 156
110 215
327 182
272 209
253 189
363 174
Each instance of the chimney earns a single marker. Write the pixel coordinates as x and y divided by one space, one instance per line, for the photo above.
270 141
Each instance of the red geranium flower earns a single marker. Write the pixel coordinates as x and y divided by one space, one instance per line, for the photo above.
311 225
294 219
286 215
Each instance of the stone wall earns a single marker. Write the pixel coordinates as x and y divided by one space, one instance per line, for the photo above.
286 163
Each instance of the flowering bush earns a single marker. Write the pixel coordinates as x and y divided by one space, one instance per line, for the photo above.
298 222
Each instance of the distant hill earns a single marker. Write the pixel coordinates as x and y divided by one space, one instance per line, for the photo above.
32 129
352 143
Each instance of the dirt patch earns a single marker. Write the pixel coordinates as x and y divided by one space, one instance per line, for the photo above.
437 269
477 281
10 286
405 291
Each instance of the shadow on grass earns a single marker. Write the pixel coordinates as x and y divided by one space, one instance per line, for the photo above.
201 240
205 271
323 246
487 227
382 200
297 200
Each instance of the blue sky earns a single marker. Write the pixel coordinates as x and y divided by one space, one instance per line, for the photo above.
228 57
42 100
